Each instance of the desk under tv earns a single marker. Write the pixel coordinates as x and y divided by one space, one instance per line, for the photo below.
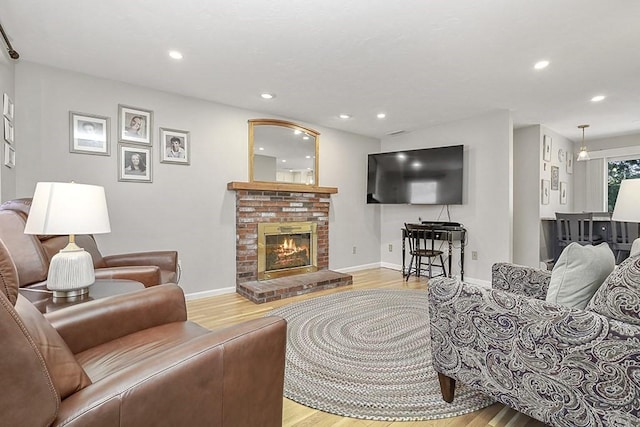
443 231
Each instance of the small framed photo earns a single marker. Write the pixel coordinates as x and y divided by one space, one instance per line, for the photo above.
544 195
89 134
9 155
569 163
8 131
555 177
563 193
134 125
546 148
174 146
7 107
134 163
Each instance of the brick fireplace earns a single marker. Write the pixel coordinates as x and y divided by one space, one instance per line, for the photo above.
281 204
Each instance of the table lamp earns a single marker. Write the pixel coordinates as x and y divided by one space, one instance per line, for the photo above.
60 208
627 207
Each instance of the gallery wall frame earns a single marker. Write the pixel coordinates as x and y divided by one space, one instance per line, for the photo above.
569 163
134 125
7 107
8 131
555 177
175 146
563 193
9 155
134 163
546 148
89 134
545 191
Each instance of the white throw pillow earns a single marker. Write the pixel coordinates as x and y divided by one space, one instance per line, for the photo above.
578 274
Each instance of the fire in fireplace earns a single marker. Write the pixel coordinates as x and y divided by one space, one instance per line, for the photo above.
286 248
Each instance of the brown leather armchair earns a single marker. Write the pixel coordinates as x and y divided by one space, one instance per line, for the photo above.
32 254
134 360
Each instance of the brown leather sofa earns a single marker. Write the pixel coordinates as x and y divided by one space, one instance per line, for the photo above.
134 360
32 254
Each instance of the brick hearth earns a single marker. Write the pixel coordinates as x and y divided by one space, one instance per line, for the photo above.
260 202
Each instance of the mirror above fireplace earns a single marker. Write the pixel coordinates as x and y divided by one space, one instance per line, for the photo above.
281 151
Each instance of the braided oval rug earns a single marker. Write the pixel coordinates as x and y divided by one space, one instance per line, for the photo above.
367 354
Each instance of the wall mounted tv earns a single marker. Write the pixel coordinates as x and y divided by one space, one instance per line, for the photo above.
429 176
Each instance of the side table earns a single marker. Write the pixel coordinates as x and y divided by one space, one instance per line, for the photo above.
44 300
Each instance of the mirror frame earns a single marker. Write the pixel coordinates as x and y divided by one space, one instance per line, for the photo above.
283 123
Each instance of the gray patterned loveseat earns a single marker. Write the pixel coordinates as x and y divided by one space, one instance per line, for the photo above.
563 366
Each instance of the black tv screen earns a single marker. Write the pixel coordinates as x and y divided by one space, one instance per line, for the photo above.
429 176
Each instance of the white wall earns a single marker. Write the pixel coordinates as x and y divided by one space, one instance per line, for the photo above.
486 211
7 85
186 208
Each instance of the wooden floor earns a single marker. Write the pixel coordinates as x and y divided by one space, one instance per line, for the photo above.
224 310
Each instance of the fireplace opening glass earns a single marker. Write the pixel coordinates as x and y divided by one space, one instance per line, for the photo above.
287 251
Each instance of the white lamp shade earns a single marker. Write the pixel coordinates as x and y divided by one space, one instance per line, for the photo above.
627 207
60 208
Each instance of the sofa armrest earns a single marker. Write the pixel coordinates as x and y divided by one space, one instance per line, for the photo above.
560 365
521 280
148 275
92 323
165 260
229 377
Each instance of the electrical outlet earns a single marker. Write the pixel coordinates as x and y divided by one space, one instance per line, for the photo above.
354 250
474 255
390 247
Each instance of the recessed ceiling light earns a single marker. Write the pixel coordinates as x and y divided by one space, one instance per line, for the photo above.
261 148
597 98
175 54
267 95
305 137
297 132
307 157
381 115
344 116
541 64
284 161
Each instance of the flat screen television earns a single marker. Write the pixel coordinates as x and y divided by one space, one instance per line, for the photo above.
428 176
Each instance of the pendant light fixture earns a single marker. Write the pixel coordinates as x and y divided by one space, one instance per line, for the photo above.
583 154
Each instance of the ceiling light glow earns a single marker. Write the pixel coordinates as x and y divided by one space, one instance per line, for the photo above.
267 95
381 115
344 116
597 98
541 64
175 54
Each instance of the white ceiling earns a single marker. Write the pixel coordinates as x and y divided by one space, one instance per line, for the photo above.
422 62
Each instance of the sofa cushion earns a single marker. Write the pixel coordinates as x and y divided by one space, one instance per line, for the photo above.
578 273
619 296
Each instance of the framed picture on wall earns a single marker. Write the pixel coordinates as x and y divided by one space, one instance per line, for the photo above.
134 163
555 177
8 131
546 148
563 193
544 192
9 155
134 125
7 107
89 134
569 163
174 146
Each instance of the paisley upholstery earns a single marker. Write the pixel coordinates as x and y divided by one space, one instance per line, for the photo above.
619 295
560 365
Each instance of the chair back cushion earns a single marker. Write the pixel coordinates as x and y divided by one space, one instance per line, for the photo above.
25 249
619 296
66 373
578 273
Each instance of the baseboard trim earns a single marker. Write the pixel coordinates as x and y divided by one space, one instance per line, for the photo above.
211 293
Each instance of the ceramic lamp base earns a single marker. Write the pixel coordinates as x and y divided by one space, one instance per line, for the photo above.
71 269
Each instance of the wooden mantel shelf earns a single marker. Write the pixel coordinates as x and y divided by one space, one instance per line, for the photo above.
277 186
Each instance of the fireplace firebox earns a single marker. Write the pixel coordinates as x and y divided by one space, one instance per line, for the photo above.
287 248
